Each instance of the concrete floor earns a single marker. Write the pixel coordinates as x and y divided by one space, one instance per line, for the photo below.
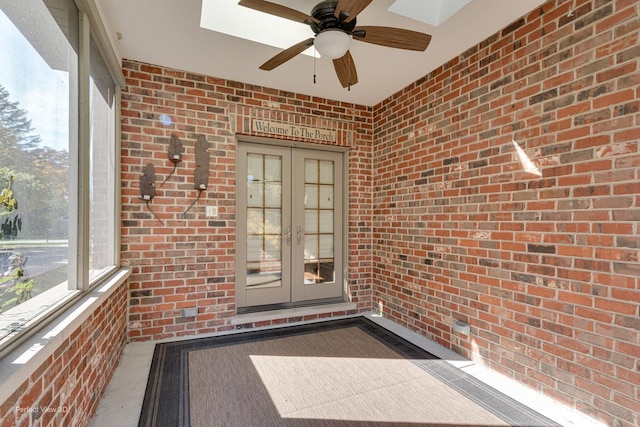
124 396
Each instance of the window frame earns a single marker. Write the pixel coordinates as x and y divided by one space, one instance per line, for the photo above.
91 28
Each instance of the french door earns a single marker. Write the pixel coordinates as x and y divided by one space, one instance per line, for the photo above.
289 225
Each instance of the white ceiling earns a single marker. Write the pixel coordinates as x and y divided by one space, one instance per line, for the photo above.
168 33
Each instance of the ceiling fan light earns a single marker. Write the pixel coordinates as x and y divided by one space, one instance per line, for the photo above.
332 43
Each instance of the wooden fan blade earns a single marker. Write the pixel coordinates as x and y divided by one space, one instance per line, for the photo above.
350 8
278 10
394 37
346 70
287 54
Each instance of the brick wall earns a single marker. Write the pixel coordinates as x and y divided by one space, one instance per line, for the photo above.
188 261
67 388
535 242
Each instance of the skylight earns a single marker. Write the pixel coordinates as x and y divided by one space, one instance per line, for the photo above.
432 12
225 16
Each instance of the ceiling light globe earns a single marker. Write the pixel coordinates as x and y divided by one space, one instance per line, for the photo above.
332 43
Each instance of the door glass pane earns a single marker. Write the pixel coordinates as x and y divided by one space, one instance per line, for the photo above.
255 167
326 197
326 246
326 221
311 247
311 221
311 195
273 221
273 168
273 194
255 221
326 172
319 271
319 222
264 221
311 171
272 249
254 248
255 194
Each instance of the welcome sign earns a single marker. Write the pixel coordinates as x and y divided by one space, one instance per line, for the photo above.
295 131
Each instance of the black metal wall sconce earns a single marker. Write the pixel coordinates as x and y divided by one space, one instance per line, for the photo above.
148 186
174 153
148 182
201 171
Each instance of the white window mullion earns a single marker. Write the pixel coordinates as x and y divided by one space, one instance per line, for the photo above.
101 37
79 186
117 186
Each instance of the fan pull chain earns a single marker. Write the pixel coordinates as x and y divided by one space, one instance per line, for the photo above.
314 63
349 71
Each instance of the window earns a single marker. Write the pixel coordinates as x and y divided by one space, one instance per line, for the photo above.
102 170
57 163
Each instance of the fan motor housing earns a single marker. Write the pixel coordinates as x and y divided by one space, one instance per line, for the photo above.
325 13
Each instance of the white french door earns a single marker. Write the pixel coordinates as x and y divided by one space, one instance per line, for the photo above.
289 225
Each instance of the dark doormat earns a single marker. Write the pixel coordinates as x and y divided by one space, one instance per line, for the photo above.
347 372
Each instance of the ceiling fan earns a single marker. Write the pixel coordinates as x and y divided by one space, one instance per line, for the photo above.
334 24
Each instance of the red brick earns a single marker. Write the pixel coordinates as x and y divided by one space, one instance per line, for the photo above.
50 381
599 175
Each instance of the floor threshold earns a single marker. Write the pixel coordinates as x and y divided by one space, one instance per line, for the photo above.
287 313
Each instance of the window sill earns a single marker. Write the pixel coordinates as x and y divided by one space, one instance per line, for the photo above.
19 364
28 314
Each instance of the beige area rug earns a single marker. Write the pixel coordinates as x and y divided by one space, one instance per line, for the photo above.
348 372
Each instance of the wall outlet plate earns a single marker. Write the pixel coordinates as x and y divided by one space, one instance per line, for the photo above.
212 211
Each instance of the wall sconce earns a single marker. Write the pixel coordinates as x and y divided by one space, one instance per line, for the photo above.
148 182
201 172
174 152
175 149
148 186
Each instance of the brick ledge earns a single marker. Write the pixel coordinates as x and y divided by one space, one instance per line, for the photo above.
18 365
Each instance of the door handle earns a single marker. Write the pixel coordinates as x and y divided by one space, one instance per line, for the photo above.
299 235
288 235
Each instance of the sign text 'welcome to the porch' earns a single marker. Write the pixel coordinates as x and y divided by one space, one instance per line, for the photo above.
295 131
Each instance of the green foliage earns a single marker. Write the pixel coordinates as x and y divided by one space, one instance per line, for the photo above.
16 281
7 199
38 176
15 129
12 223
